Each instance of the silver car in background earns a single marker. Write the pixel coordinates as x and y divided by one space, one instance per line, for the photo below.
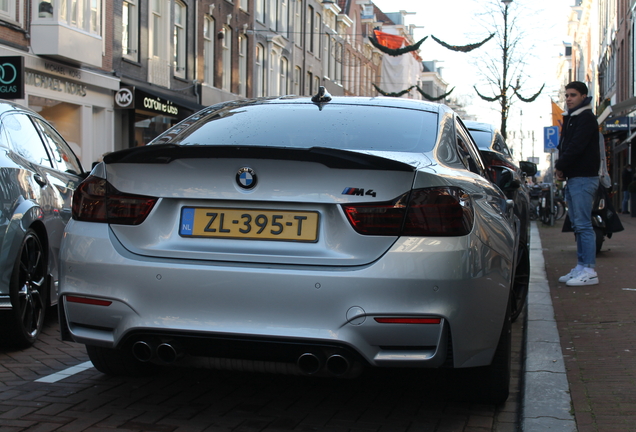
38 174
300 235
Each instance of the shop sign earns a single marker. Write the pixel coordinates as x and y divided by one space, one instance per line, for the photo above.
146 102
56 84
12 77
618 123
125 98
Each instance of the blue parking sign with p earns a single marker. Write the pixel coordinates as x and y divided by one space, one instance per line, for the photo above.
550 138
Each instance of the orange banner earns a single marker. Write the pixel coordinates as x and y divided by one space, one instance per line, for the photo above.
557 115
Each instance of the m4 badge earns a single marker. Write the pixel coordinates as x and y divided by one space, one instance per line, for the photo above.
358 192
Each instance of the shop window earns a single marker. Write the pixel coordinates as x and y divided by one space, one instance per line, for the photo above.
63 158
130 29
179 39
242 90
208 50
226 56
25 140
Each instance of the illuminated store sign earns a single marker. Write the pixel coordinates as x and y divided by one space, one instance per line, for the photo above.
11 77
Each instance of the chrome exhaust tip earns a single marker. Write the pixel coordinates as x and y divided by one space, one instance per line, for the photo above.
309 363
338 365
142 351
168 352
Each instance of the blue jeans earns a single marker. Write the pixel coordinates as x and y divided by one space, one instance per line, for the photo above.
579 195
625 201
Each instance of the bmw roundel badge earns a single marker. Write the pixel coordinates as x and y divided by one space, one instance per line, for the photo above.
246 178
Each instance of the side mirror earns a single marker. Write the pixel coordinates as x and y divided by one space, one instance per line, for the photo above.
530 168
505 178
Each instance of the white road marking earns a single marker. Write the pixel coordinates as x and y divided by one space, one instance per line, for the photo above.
629 289
57 376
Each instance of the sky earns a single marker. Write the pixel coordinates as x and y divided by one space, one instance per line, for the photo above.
542 28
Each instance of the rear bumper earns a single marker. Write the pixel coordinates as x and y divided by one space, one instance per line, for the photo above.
231 309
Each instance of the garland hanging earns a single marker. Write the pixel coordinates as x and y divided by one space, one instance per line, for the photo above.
431 98
530 99
463 48
398 94
398 51
486 98
422 92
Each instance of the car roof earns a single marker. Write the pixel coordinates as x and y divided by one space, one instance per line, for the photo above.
6 106
480 126
380 101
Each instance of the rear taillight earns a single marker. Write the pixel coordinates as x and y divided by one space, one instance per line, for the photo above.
439 211
96 200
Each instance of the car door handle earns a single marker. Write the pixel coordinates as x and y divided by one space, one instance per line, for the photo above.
39 180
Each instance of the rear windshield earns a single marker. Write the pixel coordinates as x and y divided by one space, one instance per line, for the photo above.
350 127
482 139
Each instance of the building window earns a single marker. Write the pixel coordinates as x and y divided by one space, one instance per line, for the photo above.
130 29
259 72
272 6
157 29
297 28
242 90
84 15
298 75
284 18
284 76
244 5
7 9
226 57
310 30
316 35
309 80
260 10
208 50
179 39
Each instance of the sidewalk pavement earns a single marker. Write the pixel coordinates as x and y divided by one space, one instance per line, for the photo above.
580 370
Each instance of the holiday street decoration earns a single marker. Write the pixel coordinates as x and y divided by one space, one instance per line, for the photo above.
422 92
463 48
530 99
393 94
397 51
431 98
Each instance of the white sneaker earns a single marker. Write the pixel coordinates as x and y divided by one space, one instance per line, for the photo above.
585 277
573 273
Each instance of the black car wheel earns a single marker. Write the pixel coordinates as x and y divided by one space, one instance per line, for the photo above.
28 291
520 283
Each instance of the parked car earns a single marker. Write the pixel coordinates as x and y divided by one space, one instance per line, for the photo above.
301 235
496 154
38 174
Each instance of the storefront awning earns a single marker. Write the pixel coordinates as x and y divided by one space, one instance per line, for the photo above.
625 107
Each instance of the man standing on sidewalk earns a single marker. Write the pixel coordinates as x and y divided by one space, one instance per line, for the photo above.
627 176
579 162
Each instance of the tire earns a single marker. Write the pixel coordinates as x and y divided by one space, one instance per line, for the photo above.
600 237
118 362
28 290
520 284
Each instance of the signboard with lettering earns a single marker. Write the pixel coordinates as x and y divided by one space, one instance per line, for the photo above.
12 77
618 123
125 98
148 102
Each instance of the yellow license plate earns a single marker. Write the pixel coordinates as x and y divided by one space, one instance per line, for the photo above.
249 224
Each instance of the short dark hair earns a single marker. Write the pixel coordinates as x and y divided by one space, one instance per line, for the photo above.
578 86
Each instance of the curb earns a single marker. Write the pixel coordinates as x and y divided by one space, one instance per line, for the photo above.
546 402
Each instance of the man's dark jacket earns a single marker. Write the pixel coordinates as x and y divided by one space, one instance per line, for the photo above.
579 154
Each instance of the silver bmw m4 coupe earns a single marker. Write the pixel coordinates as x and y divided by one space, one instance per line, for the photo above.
316 236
